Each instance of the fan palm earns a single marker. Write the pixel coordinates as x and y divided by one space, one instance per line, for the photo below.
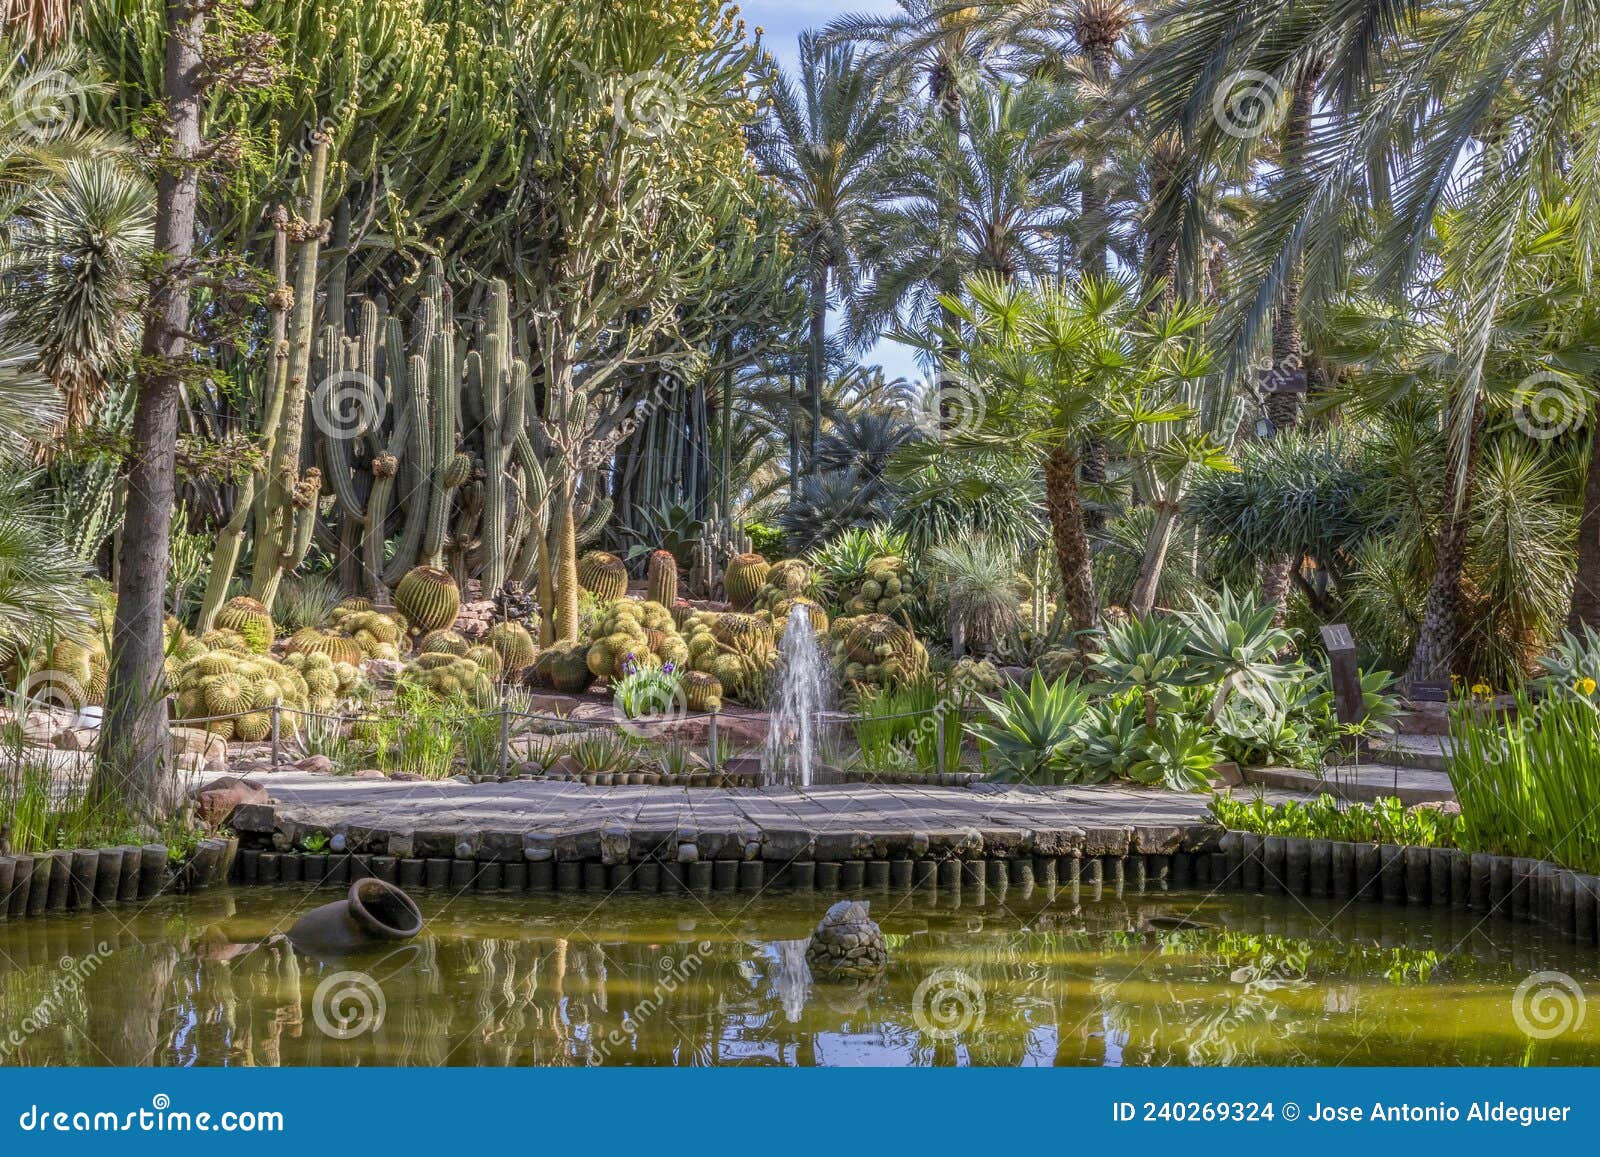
1052 366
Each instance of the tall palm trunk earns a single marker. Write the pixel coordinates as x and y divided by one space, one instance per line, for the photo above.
946 88
1068 534
1584 610
131 770
816 358
1098 28
1440 635
1283 404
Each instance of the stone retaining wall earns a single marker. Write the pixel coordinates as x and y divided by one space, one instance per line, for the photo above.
87 878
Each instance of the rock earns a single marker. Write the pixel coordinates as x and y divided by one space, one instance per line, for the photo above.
214 802
212 750
847 943
368 773
406 776
78 739
382 670
339 842
538 847
319 764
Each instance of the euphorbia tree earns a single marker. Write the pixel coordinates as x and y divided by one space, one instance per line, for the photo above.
1047 368
635 158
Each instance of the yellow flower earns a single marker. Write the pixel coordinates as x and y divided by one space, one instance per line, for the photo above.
1584 686
1482 690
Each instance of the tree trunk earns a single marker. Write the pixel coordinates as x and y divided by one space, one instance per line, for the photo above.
1068 535
131 769
815 361
1283 405
1440 635
1156 546
566 562
1584 610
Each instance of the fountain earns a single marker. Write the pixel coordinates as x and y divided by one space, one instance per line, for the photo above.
801 695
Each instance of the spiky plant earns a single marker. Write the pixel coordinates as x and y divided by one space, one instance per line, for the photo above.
977 582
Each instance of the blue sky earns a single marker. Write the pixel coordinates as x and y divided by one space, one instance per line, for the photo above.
782 22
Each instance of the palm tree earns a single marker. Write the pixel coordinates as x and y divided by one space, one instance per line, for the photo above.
1010 188
1478 106
1058 365
39 22
828 139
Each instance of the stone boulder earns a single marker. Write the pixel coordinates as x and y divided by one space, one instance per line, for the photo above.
214 802
847 944
208 749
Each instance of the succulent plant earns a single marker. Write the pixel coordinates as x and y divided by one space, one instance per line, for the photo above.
428 597
378 635
487 658
338 646
446 676
603 575
514 645
743 578
784 607
789 578
564 667
701 691
250 619
885 589
662 576
443 641
874 649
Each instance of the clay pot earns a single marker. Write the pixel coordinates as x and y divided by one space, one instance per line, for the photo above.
372 913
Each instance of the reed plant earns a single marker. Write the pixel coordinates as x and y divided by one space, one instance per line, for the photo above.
1529 784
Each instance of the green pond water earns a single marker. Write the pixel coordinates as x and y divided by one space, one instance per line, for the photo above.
1073 979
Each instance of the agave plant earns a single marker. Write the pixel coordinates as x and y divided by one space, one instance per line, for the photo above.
1236 644
1033 733
1177 753
1150 656
1572 666
977 582
1113 735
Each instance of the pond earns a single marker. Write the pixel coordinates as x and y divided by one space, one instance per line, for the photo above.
1074 979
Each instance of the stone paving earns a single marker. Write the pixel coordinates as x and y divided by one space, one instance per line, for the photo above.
835 821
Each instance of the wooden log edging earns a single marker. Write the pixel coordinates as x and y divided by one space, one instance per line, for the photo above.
1514 887
81 879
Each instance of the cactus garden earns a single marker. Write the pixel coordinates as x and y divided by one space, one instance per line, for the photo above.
508 390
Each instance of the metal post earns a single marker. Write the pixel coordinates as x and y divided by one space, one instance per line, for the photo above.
276 713
711 743
505 737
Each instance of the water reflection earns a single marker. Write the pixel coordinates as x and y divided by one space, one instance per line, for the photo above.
1073 980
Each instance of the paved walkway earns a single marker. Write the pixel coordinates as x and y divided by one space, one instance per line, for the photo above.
419 818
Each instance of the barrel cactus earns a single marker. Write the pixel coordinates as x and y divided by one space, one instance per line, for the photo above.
229 683
743 578
785 607
701 691
428 598
874 649
377 634
789 578
563 667
449 677
339 647
514 645
663 578
603 575
355 603
251 619
488 658
225 639
885 589
443 641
